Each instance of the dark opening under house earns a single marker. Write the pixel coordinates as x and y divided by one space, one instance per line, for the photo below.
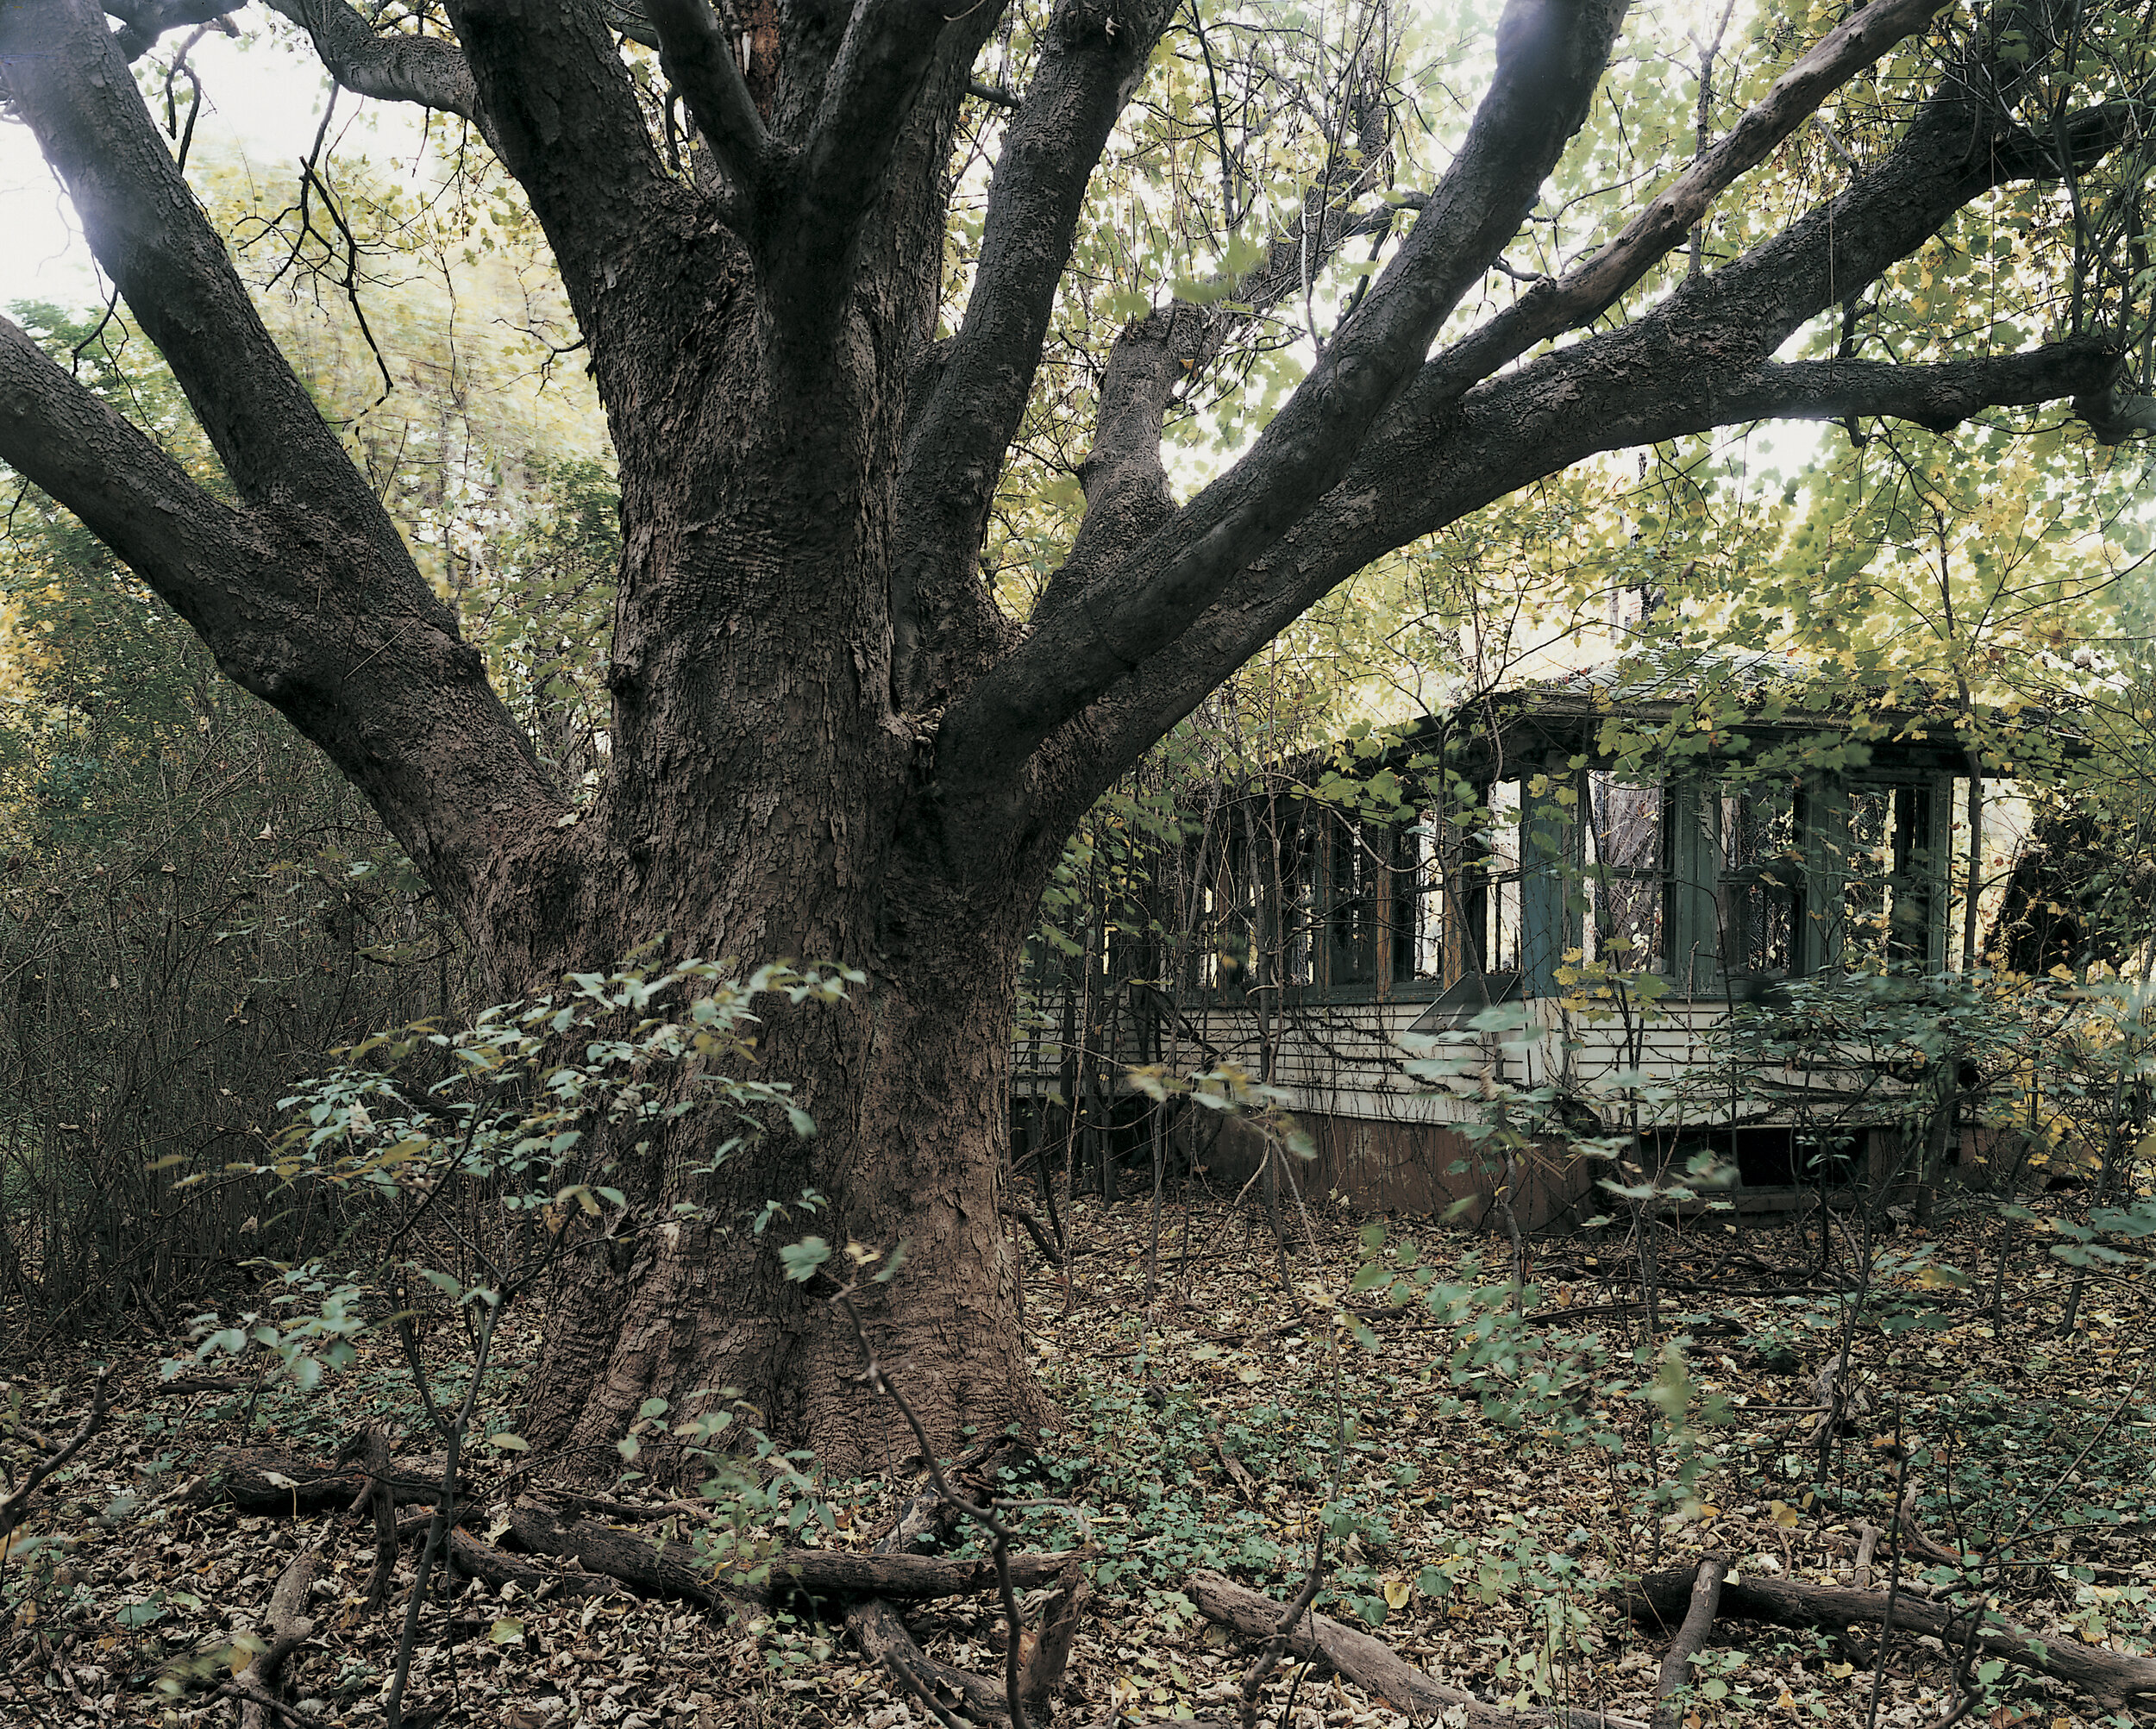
1565 906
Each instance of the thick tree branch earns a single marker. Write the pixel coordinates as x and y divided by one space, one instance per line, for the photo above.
567 125
2079 141
696 54
956 442
142 22
2115 415
308 597
1550 57
353 648
70 83
425 69
883 60
1936 398
1506 434
1694 362
129 493
1584 292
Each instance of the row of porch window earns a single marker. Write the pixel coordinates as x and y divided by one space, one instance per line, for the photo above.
1697 879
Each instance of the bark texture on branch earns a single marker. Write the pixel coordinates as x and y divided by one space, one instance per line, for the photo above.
270 1480
1374 1666
666 1570
1690 1641
1663 1597
493 1566
286 1629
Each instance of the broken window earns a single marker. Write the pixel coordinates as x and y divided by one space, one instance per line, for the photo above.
1627 873
1758 892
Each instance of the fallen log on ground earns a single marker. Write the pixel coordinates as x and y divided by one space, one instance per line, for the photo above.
1045 1650
1690 1641
268 1480
483 1561
652 1570
2106 1677
884 1639
670 1568
840 1573
1376 1667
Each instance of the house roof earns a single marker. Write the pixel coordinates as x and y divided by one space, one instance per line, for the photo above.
1722 704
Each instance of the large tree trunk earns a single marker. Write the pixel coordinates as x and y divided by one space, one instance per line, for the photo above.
909 1090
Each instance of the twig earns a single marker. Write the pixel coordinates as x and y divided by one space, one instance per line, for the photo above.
15 1505
392 1707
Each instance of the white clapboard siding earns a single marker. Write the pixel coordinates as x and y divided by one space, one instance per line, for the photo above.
1351 1060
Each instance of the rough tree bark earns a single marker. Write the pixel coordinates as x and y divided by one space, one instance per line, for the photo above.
827 742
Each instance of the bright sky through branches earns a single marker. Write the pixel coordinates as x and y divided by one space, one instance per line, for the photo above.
261 105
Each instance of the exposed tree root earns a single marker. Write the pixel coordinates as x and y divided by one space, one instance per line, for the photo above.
2106 1677
1373 1665
883 1639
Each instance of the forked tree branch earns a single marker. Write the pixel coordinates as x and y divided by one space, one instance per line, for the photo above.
696 54
1550 58
883 60
1155 358
958 438
143 21
567 125
1688 365
16 1505
149 235
1551 307
1505 434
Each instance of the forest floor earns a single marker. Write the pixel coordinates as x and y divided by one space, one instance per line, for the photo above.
1487 1466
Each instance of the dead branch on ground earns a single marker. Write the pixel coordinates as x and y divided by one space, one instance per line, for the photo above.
1374 1666
2106 1677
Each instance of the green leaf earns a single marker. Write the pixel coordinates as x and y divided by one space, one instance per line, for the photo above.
802 1259
508 1443
506 1632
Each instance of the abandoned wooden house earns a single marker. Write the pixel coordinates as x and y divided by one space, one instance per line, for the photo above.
1547 910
